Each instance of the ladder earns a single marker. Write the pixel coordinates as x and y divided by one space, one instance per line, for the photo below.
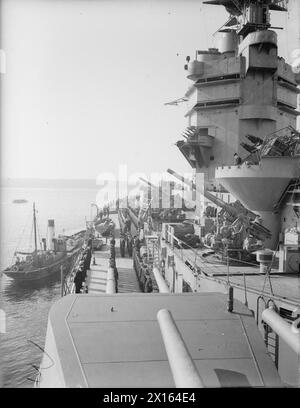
152 244
272 343
152 249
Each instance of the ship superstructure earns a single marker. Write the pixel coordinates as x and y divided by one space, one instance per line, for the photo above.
242 94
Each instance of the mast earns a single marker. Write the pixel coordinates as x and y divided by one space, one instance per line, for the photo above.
34 226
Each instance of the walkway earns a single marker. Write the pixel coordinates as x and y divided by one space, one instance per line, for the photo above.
96 276
128 281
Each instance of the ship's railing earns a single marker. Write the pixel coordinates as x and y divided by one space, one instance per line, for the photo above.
193 259
67 280
289 333
110 281
194 256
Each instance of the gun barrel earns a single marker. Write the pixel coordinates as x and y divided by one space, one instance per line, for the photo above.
254 139
181 178
249 148
147 182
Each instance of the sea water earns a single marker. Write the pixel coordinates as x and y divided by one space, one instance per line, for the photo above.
26 307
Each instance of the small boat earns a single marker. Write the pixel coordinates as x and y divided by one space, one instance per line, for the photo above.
20 201
105 228
42 263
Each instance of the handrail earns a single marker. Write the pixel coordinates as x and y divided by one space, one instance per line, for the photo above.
283 329
110 281
182 366
207 263
67 282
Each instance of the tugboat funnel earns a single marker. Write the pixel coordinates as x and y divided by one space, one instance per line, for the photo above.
51 234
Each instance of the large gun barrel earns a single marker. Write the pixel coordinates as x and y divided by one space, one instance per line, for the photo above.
249 148
148 183
133 217
220 203
157 188
254 139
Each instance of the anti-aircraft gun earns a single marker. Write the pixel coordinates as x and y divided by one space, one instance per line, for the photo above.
235 212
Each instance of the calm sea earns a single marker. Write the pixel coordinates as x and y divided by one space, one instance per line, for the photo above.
26 308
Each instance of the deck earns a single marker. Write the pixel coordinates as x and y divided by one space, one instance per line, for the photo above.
284 286
115 341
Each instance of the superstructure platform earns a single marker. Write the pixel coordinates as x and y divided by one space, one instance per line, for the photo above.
281 286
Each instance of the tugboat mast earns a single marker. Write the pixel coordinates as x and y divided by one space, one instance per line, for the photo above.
34 226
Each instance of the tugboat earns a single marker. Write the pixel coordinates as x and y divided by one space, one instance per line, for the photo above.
40 264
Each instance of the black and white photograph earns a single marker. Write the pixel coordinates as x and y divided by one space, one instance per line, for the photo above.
150 198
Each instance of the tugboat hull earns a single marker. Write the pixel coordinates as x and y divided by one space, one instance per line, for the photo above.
38 273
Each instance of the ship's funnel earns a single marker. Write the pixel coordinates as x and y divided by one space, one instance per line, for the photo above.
51 234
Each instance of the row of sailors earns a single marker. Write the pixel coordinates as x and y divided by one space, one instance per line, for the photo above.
112 264
123 241
84 265
142 271
112 261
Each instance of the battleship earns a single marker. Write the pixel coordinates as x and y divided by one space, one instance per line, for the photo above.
211 300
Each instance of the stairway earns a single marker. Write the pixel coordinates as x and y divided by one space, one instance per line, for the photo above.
127 281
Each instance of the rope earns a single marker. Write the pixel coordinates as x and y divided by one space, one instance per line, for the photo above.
30 238
19 241
267 275
38 369
37 228
245 289
228 280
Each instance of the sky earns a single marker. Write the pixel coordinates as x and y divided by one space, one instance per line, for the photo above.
86 81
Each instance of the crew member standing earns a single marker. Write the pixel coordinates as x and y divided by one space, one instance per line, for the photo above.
237 159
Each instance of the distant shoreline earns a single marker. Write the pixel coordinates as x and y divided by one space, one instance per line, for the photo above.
48 183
